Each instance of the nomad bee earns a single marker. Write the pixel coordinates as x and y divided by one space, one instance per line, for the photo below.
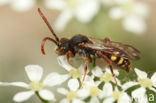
114 53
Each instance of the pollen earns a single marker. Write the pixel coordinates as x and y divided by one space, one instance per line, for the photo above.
146 82
106 77
71 95
116 95
35 86
120 61
94 91
75 73
113 57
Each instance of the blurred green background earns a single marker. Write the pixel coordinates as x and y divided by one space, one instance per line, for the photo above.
21 34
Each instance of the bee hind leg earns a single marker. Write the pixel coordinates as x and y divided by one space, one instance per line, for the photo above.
111 68
109 63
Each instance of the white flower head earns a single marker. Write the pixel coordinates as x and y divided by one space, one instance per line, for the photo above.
105 76
133 14
145 82
73 8
34 73
116 95
74 94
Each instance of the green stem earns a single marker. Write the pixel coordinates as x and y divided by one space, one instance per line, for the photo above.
79 82
42 100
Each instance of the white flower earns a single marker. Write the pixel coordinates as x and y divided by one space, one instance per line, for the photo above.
72 96
91 88
83 10
105 76
133 14
73 72
34 73
119 96
19 5
76 95
145 82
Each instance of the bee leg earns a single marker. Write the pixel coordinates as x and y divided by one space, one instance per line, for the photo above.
85 70
111 68
109 63
69 53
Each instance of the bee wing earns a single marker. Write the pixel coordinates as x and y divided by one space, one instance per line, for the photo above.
105 49
106 45
131 52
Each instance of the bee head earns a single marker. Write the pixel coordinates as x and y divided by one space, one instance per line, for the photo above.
63 46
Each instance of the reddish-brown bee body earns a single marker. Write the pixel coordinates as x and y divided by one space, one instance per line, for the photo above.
114 53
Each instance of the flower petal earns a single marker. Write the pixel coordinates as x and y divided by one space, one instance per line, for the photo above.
55 4
63 62
134 24
90 8
62 91
83 93
153 78
73 84
141 9
18 84
109 100
116 72
153 89
64 101
124 98
97 71
107 90
22 96
47 95
77 101
34 72
129 84
94 100
116 13
63 19
22 5
88 81
140 73
54 78
139 95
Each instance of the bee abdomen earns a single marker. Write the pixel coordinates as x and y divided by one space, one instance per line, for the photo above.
120 62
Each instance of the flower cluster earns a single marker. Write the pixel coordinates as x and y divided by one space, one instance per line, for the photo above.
132 12
99 85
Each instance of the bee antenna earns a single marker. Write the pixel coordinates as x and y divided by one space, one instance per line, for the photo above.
43 43
49 26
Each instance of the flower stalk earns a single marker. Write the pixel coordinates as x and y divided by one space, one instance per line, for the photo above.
41 99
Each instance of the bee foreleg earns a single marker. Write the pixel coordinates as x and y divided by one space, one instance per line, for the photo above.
69 53
109 63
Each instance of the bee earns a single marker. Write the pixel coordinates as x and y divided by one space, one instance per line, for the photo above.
114 53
